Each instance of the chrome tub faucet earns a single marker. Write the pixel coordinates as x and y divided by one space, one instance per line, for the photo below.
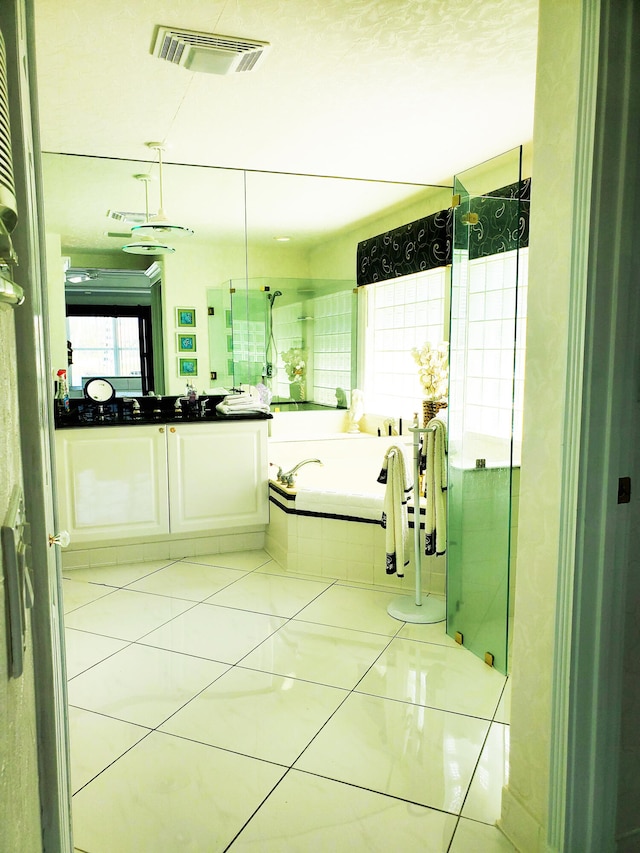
287 479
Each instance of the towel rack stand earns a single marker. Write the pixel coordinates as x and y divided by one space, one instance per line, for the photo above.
423 609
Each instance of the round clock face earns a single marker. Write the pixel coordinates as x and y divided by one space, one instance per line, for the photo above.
99 390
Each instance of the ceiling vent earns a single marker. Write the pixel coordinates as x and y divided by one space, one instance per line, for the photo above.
208 53
126 216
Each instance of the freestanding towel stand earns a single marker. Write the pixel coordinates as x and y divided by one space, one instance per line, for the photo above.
424 608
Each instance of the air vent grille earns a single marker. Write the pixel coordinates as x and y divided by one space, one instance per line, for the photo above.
126 216
8 206
206 52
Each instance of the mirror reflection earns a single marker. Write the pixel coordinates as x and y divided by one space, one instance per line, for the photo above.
267 280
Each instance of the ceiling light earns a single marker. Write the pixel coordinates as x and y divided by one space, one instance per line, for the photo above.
144 244
282 239
160 223
148 246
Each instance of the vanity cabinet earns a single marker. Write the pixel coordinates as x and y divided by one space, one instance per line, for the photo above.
131 482
217 475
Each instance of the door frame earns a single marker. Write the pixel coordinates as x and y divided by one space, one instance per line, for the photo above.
601 431
35 392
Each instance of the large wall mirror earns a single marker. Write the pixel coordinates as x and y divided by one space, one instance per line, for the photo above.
267 280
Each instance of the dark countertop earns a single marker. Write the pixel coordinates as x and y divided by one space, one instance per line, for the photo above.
149 410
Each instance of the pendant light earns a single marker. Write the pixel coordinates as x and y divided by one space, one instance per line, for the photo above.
160 224
144 244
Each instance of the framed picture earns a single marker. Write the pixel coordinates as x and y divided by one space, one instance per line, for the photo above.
185 316
187 367
185 343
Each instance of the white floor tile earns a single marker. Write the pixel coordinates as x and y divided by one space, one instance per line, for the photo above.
437 676
97 741
434 633
471 837
308 813
404 750
77 593
142 685
217 633
265 593
274 568
258 714
187 580
247 561
169 794
348 607
117 575
492 773
395 760
83 650
126 615
503 714
335 656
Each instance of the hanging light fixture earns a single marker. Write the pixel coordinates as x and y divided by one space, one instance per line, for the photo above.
160 224
144 244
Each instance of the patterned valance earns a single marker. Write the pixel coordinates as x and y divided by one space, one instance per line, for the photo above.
503 224
421 245
428 243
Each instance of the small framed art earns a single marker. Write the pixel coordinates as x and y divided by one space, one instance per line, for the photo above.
185 343
185 316
187 367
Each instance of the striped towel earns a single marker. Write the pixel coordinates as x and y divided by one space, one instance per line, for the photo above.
397 476
435 489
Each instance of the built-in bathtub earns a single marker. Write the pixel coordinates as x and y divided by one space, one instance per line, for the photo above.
328 523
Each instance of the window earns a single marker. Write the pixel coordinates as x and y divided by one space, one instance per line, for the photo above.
403 313
111 341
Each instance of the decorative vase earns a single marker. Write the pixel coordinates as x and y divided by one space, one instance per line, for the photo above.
430 409
296 391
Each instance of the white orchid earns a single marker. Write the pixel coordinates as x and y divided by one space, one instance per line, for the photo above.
294 363
433 369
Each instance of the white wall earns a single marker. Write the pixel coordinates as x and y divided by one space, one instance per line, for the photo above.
196 268
525 800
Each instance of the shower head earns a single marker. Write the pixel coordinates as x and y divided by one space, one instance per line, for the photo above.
272 296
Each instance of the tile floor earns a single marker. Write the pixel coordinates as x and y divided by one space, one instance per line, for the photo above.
218 704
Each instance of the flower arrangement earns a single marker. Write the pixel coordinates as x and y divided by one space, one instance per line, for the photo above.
295 363
433 369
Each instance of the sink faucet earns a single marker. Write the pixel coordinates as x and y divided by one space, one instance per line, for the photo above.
287 479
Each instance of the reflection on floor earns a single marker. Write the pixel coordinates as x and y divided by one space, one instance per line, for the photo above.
217 704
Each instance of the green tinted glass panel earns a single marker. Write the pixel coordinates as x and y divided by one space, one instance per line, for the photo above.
484 327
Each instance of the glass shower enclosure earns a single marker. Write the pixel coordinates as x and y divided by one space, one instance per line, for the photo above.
297 337
488 316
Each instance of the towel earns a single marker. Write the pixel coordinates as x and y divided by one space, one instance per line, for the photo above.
435 488
397 475
235 404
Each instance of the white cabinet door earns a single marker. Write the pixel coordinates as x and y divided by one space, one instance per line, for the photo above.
112 482
217 475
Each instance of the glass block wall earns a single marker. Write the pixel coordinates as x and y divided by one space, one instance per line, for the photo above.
402 313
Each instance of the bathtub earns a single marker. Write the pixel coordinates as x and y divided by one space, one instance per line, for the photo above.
328 524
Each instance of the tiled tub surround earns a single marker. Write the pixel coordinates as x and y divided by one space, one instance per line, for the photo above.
341 537
220 704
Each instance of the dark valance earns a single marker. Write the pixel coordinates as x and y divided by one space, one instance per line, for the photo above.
416 247
503 220
503 225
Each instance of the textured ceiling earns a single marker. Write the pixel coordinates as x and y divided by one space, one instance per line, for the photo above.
395 90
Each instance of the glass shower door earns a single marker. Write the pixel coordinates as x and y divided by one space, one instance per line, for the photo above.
485 366
249 335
